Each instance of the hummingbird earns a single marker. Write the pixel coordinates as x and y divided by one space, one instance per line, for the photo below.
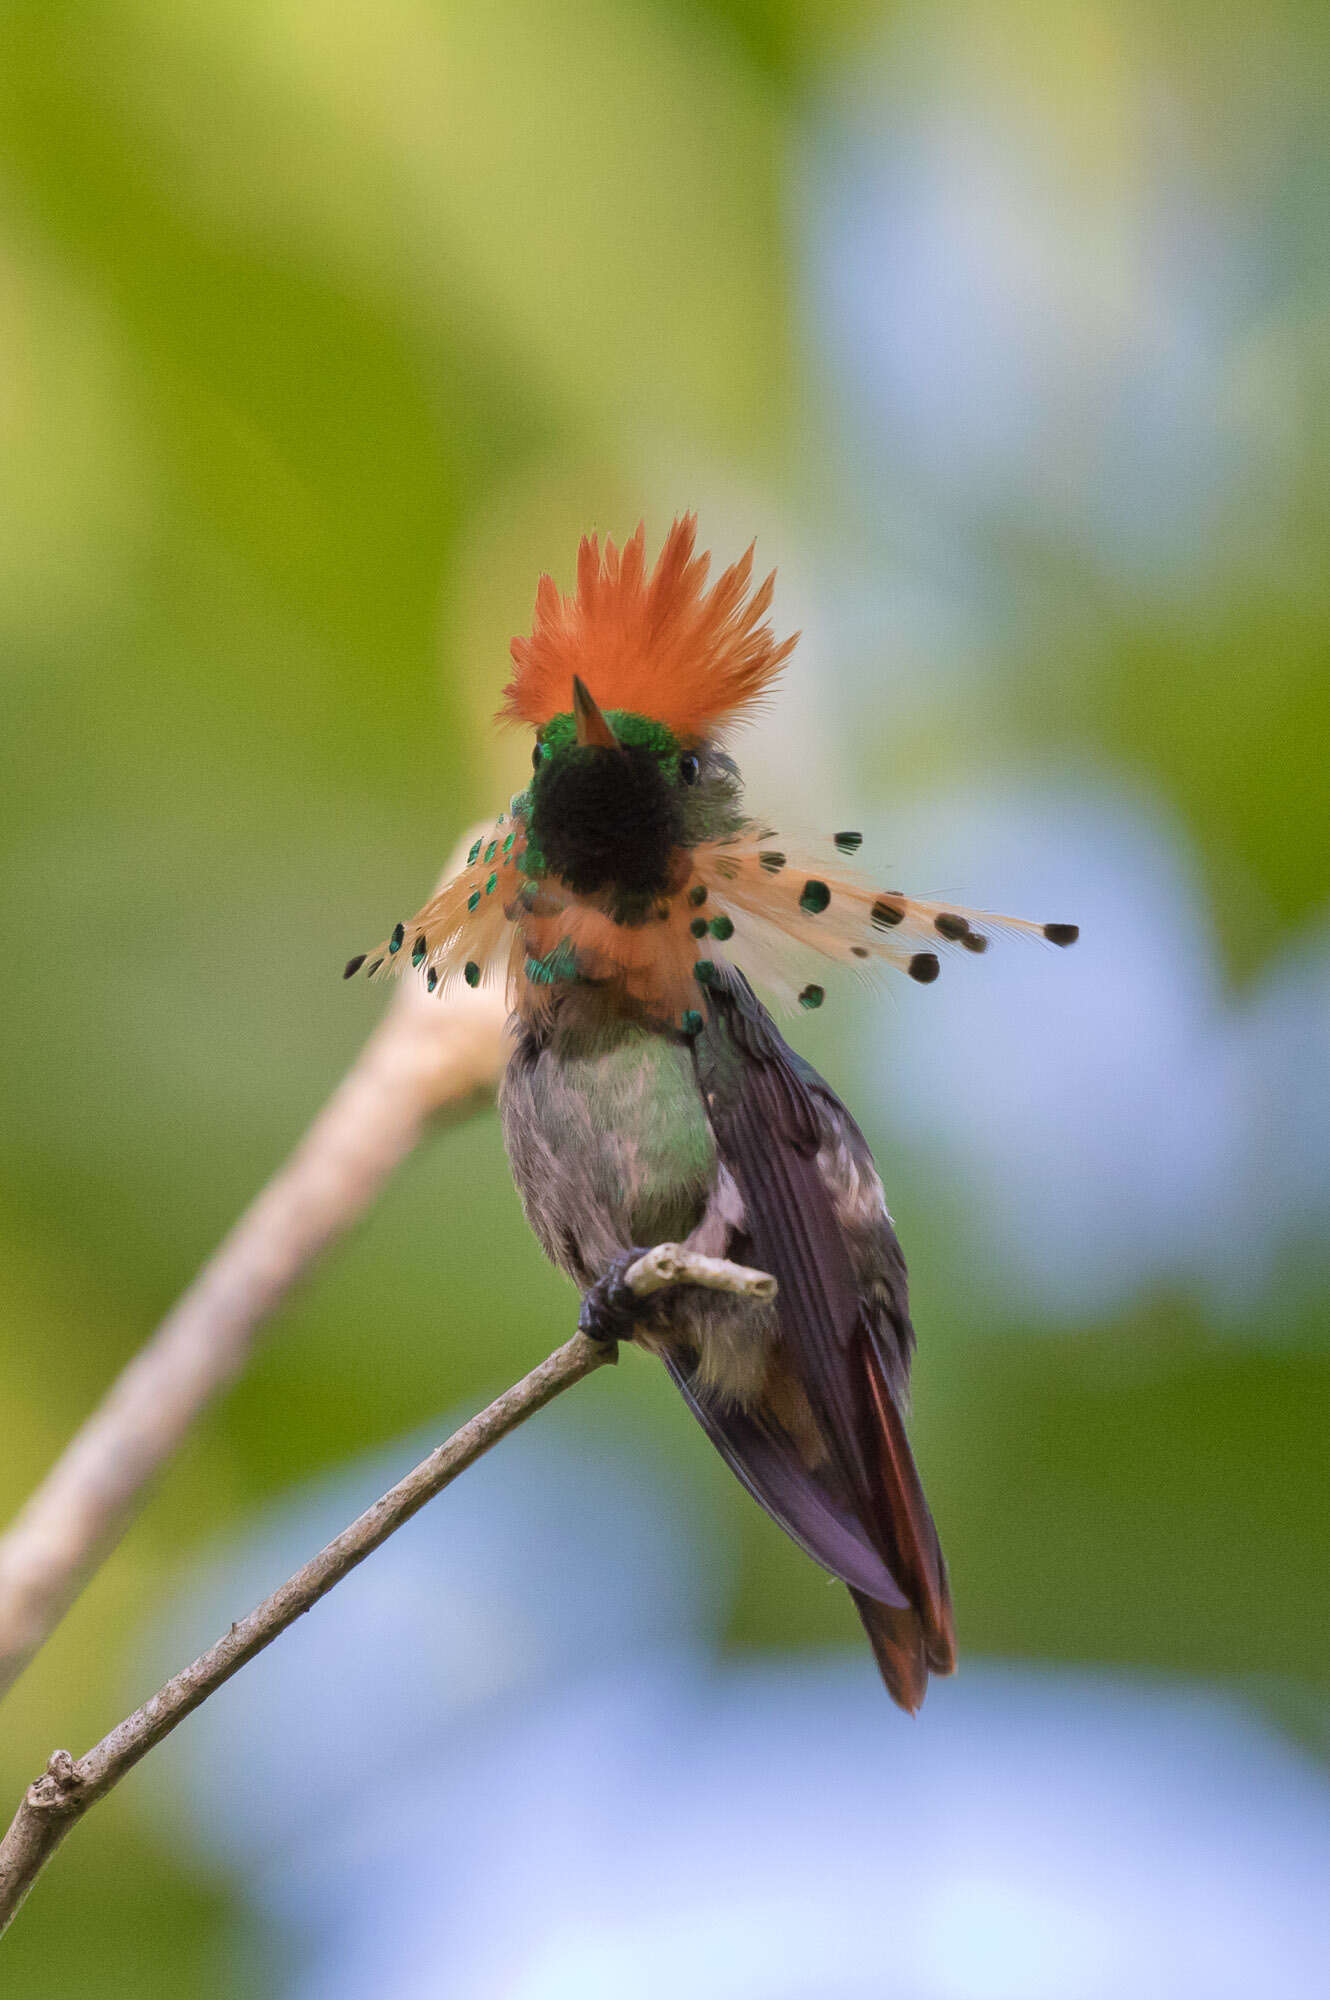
649 1096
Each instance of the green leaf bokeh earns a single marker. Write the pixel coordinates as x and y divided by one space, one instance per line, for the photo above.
323 330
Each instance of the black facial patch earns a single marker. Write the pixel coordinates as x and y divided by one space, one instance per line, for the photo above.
606 819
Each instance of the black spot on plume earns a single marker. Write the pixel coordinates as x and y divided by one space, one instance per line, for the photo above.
606 819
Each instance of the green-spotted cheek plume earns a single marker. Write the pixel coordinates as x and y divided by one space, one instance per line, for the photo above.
622 899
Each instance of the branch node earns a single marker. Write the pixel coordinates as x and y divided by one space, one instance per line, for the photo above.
59 1788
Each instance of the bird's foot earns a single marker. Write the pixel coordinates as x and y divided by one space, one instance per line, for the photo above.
610 1310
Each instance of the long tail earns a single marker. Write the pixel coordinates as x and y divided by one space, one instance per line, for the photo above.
908 1616
897 1639
904 1523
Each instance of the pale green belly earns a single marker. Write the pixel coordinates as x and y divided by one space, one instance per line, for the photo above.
651 1151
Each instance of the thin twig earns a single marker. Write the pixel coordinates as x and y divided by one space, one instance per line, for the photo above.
671 1264
426 1060
67 1788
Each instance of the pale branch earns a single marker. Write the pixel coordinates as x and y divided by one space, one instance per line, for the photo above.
426 1059
672 1264
67 1788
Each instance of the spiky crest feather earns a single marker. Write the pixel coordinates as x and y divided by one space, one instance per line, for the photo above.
660 645
828 1399
664 648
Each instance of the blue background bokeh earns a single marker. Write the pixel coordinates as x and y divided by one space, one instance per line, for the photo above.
324 330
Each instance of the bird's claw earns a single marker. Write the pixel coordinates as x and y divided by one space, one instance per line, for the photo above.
610 1309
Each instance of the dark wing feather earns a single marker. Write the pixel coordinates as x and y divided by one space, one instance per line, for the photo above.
763 1459
772 1115
768 1131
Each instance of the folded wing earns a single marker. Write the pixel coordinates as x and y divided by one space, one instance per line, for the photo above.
861 1511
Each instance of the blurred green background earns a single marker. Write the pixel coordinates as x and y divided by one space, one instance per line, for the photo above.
324 329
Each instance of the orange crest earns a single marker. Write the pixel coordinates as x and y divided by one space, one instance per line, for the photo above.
660 645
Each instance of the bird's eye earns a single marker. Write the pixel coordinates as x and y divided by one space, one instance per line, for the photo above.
689 768
536 756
